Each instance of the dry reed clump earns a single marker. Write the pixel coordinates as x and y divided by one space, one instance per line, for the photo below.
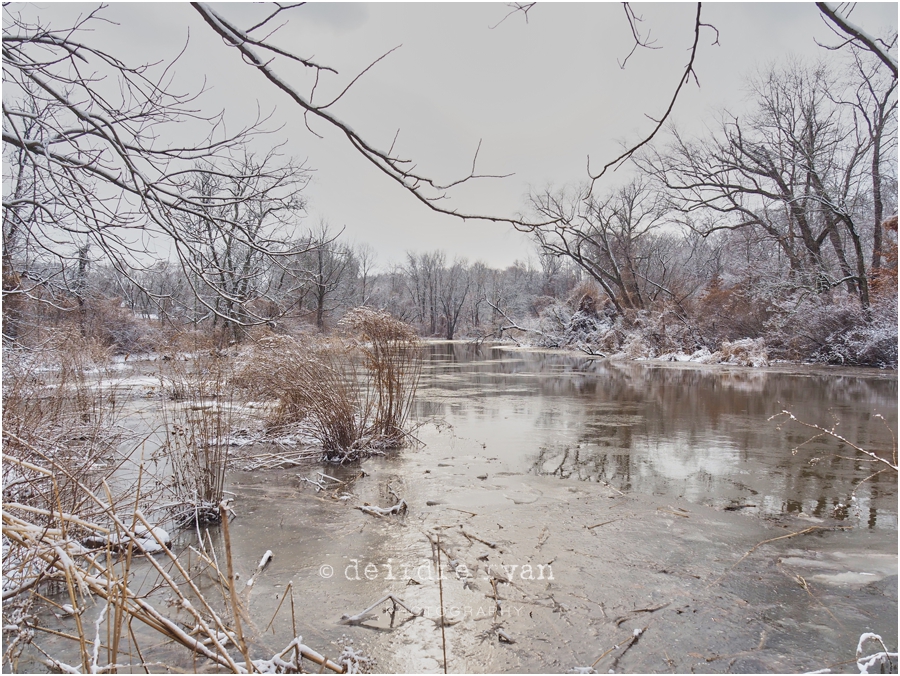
62 435
393 361
352 393
77 540
198 425
317 389
56 400
108 588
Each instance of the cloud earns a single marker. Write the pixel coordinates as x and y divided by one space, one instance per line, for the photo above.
341 17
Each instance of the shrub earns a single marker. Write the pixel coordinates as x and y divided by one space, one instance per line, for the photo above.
197 434
352 393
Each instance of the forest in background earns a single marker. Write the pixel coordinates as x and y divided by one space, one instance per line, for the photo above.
773 236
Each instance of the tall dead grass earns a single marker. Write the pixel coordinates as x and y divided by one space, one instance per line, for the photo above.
198 424
351 393
78 539
110 586
393 360
57 400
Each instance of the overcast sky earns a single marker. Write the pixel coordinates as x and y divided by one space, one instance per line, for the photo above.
541 96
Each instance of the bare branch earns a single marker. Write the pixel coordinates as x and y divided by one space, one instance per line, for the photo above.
688 73
832 13
517 7
639 41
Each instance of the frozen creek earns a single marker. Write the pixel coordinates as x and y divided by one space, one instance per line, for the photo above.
580 501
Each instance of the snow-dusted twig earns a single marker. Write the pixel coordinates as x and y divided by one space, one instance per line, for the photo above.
504 637
880 659
364 615
856 33
399 508
278 665
832 433
263 562
352 661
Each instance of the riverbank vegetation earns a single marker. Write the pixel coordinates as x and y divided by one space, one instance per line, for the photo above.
95 487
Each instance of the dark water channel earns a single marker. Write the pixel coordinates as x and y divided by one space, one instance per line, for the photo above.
695 432
580 502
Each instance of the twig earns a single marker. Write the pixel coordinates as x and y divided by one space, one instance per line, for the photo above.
780 537
363 615
597 525
504 637
651 609
441 592
627 643
492 545
399 508
263 562
290 588
235 611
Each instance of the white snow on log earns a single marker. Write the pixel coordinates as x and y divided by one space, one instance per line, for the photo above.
263 562
384 511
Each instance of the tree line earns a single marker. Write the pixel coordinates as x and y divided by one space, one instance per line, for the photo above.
778 223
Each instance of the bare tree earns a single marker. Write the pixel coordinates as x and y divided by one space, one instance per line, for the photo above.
794 168
366 256
90 163
423 280
330 268
873 101
230 246
606 237
453 291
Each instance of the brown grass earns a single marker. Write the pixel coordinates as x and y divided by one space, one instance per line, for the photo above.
351 393
393 360
55 399
106 579
198 426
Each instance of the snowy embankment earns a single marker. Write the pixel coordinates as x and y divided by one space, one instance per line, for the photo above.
671 336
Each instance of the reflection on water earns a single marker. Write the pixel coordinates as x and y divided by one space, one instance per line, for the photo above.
699 432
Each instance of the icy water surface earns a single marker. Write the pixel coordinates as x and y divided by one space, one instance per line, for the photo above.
617 497
591 514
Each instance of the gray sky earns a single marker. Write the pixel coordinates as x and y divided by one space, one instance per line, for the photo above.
541 95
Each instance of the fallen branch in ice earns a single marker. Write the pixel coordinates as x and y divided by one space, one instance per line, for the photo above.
352 661
780 537
278 665
803 583
603 523
399 508
504 637
287 458
627 643
315 483
263 562
651 609
492 545
608 485
320 483
365 614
